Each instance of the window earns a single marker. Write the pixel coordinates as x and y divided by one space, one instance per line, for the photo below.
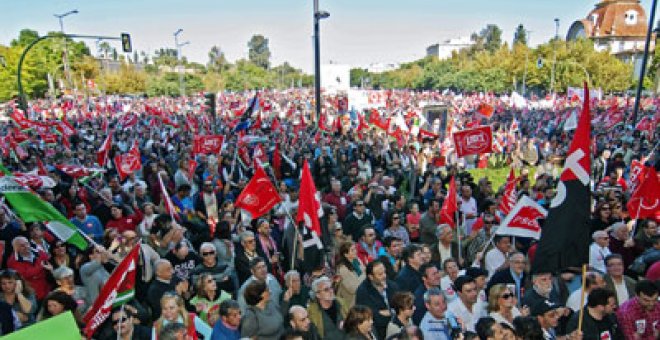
631 17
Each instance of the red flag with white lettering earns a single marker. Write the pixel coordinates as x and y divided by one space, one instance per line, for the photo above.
510 194
211 144
522 220
645 201
473 141
128 163
102 154
259 195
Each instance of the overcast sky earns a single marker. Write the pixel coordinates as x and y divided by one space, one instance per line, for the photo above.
358 32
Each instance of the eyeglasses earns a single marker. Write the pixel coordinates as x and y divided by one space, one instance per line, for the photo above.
395 217
506 296
249 241
207 253
326 289
120 320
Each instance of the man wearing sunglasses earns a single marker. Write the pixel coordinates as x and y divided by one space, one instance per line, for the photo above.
221 272
122 323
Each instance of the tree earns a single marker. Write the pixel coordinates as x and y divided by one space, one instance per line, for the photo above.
258 51
492 35
520 37
217 61
165 57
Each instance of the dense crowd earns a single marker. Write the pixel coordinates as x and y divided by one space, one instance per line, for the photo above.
384 265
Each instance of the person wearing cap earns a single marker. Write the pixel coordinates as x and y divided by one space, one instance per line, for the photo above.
598 250
466 307
599 321
547 314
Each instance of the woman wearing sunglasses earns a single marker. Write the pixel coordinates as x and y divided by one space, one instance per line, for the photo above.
502 305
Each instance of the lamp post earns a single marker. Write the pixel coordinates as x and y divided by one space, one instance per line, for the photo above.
554 57
645 60
60 17
318 15
182 85
524 87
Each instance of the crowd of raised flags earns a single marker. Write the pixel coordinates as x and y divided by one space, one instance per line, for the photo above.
174 176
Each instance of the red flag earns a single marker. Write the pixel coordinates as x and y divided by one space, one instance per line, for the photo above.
41 168
275 125
473 141
117 290
259 154
637 174
128 163
309 202
450 205
338 125
322 121
522 220
510 194
646 124
277 161
65 128
127 121
645 201
485 110
102 154
259 195
75 171
211 144
192 165
362 123
427 134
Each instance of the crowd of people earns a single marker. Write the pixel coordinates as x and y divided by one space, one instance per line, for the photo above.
384 265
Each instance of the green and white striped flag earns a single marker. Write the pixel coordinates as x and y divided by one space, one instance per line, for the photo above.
31 208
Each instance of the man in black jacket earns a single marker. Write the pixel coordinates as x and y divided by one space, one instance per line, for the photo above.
376 293
514 275
598 321
409 277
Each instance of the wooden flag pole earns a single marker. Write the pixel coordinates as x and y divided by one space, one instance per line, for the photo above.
584 282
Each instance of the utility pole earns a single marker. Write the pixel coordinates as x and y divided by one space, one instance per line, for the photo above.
554 57
65 57
318 15
645 60
182 84
524 87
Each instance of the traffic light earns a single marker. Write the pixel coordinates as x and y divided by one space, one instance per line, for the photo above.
126 43
210 103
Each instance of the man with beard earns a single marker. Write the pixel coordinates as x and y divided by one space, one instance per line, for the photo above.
598 321
207 202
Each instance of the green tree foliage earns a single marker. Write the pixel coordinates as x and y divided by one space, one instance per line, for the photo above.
502 70
258 51
520 37
217 61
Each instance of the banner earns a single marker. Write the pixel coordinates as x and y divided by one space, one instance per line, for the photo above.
473 141
521 221
208 144
64 325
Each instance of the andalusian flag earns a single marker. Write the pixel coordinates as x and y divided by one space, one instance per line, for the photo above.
31 208
118 289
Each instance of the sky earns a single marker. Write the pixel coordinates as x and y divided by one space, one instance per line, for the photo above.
357 33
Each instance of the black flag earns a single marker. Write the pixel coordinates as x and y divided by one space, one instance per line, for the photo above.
565 236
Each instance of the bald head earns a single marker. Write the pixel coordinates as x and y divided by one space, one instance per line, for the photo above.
299 318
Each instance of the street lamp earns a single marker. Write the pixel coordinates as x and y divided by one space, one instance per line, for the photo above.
67 74
554 56
182 85
318 16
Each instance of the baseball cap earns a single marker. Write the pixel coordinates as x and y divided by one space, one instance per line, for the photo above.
543 307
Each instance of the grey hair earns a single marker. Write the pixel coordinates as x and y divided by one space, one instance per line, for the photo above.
440 229
19 238
434 292
207 245
294 309
290 274
171 330
315 285
105 192
617 226
245 235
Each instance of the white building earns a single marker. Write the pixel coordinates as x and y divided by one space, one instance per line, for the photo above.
444 49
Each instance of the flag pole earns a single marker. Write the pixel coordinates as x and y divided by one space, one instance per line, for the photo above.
458 234
121 309
582 294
